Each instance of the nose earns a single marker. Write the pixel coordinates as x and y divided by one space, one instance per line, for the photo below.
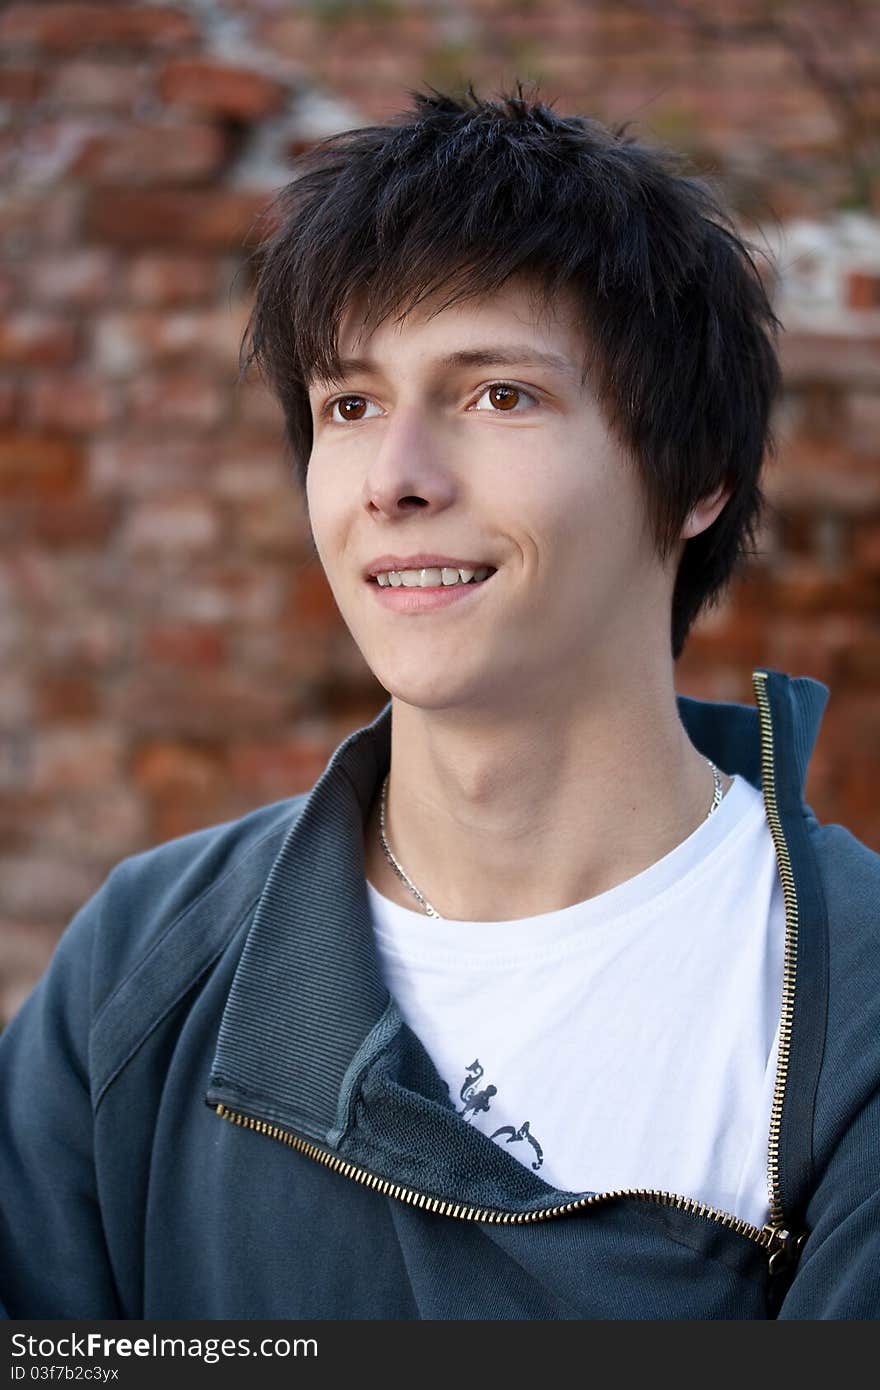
410 468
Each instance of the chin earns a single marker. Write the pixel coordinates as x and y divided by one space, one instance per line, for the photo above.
422 693
412 684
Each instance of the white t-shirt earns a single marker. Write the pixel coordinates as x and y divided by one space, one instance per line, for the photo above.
627 1041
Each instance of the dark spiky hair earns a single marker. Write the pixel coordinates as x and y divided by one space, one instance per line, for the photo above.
458 194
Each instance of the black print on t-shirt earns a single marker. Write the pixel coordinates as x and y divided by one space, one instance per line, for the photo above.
476 1101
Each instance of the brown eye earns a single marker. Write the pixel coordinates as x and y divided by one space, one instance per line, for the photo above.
351 407
504 397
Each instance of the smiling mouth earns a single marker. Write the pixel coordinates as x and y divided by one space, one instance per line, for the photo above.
394 579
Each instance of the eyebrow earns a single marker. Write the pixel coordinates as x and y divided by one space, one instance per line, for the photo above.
513 356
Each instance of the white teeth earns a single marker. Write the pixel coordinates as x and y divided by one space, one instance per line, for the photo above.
431 577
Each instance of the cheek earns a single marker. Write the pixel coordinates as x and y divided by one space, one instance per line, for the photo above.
323 521
583 522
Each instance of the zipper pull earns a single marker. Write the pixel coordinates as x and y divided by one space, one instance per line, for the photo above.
784 1248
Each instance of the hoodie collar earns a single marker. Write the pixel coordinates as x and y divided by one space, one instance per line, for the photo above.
308 991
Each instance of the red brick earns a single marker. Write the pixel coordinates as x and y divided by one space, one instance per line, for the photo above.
161 767
45 885
21 86
860 664
70 756
141 155
311 601
97 642
862 290
59 221
270 526
866 547
31 578
35 339
159 701
856 782
274 768
821 412
299 145
830 357
214 219
862 422
293 34
29 221
248 467
75 26
81 279
16 772
87 84
187 400
820 479
9 401
11 160
45 153
74 521
184 644
803 586
16 695
796 532
181 524
130 467
100 824
77 403
184 786
815 644
33 465
10 287
733 635
256 406
65 696
127 343
276 656
220 88
167 280
245 593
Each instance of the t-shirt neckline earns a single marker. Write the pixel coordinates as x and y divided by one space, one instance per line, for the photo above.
716 836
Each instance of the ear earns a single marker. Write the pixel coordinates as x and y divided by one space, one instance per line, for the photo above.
705 512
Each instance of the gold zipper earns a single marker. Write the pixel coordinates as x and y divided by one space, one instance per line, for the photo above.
776 1241
783 1246
789 969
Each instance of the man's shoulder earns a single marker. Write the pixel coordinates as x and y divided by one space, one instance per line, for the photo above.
849 883
849 868
190 863
183 899
160 924
841 992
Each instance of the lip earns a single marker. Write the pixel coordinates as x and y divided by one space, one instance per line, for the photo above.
418 600
424 560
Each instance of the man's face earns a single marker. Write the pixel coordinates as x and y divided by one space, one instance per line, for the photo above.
458 435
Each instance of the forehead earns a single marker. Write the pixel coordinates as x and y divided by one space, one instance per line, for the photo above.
519 321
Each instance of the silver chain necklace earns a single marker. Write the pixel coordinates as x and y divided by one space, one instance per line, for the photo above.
404 877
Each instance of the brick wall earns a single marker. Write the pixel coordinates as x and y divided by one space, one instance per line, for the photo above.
169 654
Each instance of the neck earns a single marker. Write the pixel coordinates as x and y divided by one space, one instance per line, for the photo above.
494 822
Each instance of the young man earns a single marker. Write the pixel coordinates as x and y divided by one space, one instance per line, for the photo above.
552 998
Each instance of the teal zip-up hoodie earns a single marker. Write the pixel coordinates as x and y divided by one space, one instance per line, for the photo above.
212 1108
